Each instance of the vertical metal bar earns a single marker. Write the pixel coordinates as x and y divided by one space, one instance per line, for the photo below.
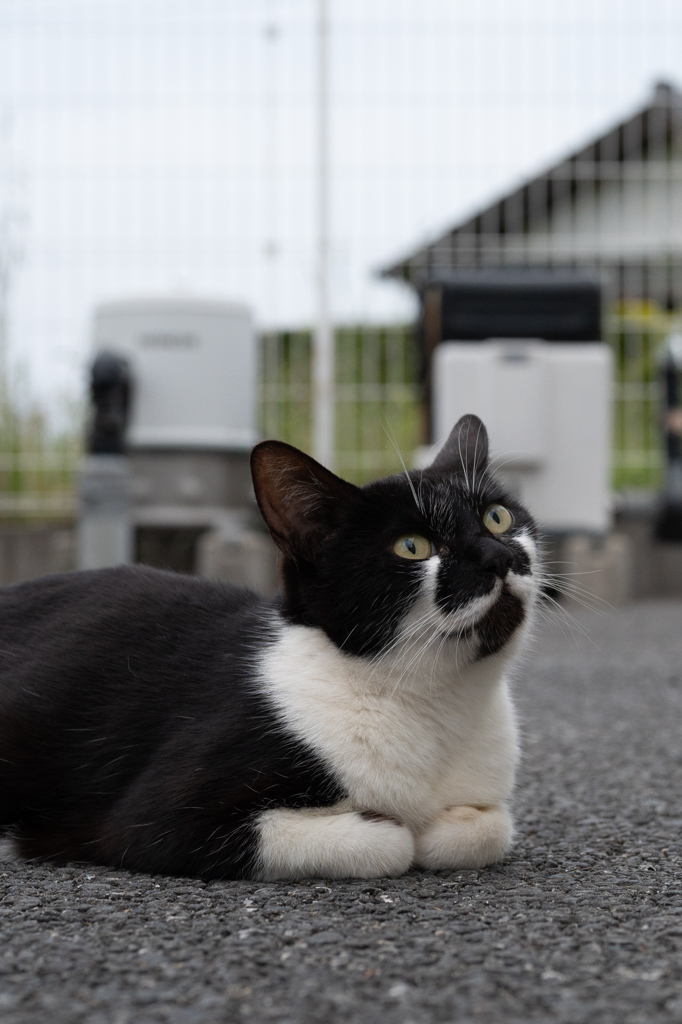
323 354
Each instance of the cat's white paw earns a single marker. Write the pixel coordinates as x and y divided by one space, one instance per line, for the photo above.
316 843
465 837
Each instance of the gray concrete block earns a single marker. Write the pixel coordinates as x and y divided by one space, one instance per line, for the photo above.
597 571
657 566
30 551
241 556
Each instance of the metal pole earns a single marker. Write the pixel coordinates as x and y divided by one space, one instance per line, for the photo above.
323 352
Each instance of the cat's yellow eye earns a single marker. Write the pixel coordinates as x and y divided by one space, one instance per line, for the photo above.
413 546
497 519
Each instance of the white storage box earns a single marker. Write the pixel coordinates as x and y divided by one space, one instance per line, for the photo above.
547 407
194 366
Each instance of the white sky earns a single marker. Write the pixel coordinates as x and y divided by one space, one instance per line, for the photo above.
169 144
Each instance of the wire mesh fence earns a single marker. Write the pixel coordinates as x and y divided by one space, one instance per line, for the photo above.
148 146
37 467
379 411
379 415
377 396
636 333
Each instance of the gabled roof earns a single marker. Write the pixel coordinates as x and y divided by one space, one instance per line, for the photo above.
654 130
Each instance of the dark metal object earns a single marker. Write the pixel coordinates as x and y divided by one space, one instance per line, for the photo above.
668 524
110 391
482 304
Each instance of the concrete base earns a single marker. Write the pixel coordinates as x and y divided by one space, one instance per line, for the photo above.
173 548
104 530
594 571
628 565
656 566
30 551
172 487
243 557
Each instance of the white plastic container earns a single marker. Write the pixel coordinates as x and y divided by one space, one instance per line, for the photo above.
547 407
194 366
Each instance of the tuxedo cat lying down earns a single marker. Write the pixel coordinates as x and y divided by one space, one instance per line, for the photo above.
356 726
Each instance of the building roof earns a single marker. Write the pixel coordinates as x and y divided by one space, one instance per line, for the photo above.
653 130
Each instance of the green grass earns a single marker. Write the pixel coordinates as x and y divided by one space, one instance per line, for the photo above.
636 331
377 396
37 465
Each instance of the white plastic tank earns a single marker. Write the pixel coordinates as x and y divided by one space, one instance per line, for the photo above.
194 370
547 407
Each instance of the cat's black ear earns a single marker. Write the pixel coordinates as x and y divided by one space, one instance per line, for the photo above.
466 449
300 500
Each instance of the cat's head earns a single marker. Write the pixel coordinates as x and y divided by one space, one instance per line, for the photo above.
443 553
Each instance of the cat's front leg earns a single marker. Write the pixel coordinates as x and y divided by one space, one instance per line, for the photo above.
316 842
465 837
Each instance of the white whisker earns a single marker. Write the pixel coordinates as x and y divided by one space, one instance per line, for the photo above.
391 436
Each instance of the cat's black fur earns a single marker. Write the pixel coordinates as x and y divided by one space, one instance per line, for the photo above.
133 730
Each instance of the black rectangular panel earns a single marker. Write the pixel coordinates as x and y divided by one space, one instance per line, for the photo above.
490 304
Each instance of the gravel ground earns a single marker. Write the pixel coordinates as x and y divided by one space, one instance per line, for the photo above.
582 923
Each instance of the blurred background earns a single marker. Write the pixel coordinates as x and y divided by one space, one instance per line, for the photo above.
321 165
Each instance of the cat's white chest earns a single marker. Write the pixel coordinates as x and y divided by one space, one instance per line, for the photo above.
406 748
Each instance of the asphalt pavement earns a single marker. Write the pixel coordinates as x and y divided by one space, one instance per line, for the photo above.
581 923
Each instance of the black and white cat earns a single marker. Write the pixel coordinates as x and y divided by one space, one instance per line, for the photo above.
356 726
